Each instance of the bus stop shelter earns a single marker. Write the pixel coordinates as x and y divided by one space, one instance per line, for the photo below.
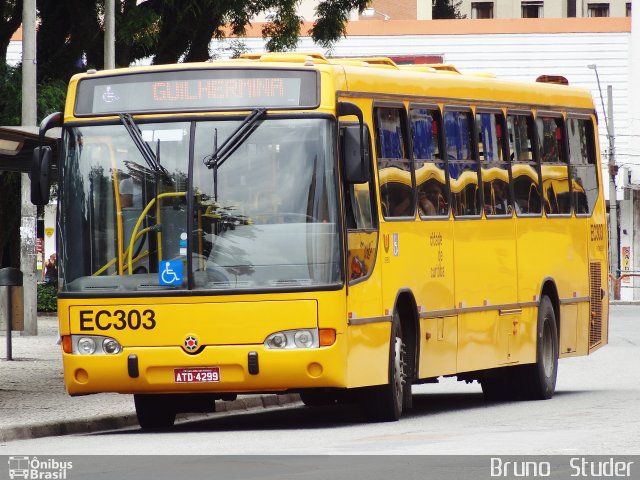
16 151
17 144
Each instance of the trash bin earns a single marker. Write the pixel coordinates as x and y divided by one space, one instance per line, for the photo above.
11 303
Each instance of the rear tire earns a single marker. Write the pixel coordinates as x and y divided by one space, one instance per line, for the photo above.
383 403
154 412
537 381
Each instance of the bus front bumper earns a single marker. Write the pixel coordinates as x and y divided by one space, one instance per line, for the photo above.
156 369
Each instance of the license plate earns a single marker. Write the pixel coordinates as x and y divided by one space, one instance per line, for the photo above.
196 375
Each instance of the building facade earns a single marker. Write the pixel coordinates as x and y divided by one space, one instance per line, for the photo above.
484 9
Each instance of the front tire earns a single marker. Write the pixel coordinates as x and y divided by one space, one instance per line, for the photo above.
154 412
383 403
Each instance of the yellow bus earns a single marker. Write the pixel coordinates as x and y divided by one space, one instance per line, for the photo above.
257 225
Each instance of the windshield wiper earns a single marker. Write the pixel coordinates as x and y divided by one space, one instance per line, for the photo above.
152 158
237 138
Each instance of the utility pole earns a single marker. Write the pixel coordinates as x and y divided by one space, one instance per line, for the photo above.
27 209
110 34
613 200
613 170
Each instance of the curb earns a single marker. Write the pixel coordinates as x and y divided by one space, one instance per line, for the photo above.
95 424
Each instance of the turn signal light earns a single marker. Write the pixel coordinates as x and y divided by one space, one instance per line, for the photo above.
66 343
327 337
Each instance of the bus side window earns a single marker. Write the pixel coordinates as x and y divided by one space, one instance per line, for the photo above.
394 165
463 166
524 169
431 182
555 171
582 157
495 171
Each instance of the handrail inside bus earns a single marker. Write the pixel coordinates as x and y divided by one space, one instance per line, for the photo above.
140 220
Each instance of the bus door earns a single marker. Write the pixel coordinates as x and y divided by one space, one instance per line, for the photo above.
366 327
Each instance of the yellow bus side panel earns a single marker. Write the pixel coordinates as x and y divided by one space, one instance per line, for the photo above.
485 268
368 357
568 329
439 350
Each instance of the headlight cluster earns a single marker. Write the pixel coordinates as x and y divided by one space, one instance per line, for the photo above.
289 339
94 345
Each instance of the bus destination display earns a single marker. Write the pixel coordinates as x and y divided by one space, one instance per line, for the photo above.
197 90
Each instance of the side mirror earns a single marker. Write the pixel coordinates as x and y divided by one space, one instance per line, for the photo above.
355 150
41 175
42 161
355 158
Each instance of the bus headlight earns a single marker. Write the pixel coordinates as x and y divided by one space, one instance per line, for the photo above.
276 340
94 345
86 346
110 346
291 339
303 339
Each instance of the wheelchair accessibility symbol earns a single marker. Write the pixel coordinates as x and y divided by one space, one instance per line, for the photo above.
170 272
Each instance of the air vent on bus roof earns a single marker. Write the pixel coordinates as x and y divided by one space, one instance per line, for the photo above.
295 57
442 67
372 61
557 79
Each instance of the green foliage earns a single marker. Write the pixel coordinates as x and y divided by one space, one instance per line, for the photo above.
47 298
51 96
11 88
333 16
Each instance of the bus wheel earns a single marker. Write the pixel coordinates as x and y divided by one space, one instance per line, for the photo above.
383 403
154 411
537 381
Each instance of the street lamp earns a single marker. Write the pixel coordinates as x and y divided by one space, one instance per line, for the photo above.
613 202
370 12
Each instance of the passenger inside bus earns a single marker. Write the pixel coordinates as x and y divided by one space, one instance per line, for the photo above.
500 204
430 199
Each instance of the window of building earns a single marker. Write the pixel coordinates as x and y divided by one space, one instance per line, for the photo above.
598 9
532 10
394 163
628 14
481 9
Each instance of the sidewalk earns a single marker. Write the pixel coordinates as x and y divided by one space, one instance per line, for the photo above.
34 403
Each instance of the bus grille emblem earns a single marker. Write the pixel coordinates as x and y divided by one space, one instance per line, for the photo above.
190 343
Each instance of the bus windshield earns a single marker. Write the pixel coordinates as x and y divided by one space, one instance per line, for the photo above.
265 218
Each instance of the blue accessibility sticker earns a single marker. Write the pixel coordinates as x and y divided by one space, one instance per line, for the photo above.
170 272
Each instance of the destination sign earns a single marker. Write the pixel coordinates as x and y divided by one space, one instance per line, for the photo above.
197 90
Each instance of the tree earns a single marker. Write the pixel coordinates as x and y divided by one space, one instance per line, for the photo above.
446 9
71 32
